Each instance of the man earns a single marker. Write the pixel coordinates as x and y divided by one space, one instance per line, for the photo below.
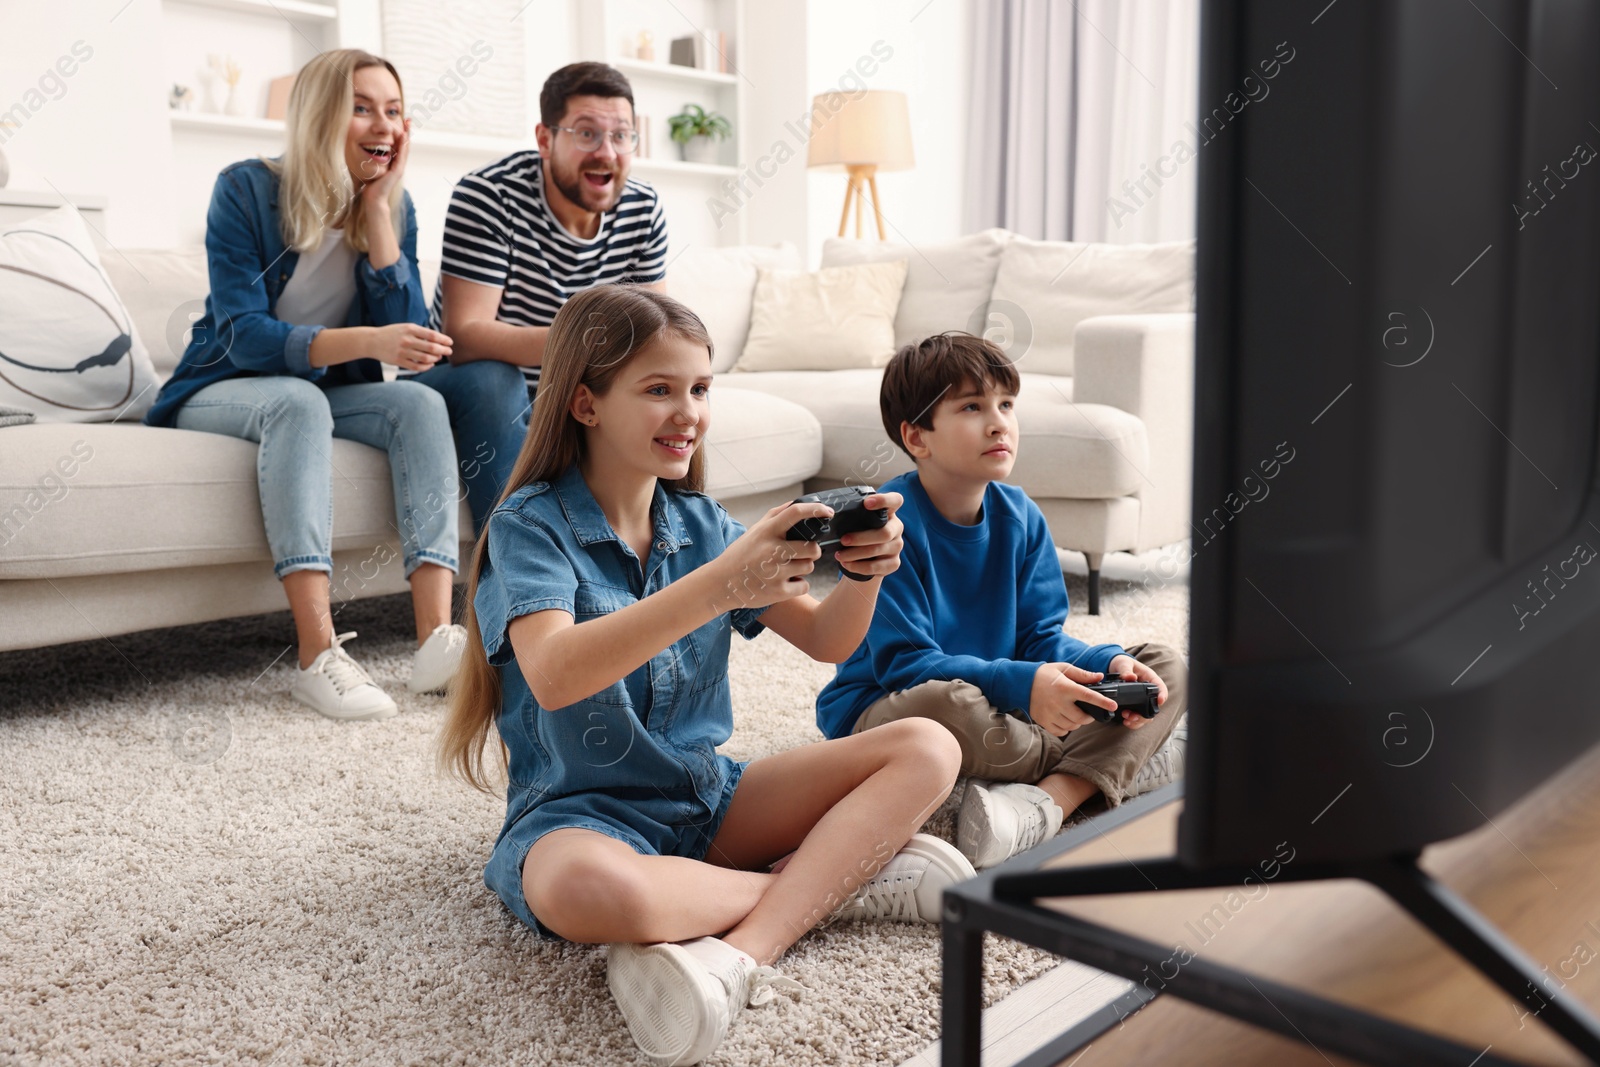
524 234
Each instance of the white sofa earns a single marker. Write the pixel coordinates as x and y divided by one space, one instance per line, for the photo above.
161 527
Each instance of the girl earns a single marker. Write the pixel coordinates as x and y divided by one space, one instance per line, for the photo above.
601 602
313 264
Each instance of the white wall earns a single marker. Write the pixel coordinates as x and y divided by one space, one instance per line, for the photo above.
101 131
105 129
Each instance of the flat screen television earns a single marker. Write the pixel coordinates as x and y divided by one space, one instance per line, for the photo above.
1395 545
1396 533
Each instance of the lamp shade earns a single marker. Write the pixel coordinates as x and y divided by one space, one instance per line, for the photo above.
849 129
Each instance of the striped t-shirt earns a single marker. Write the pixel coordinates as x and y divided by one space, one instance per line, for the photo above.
500 232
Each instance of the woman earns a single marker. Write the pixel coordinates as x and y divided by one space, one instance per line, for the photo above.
314 286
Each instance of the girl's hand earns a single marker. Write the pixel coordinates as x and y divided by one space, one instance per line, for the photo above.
875 552
377 189
763 567
408 346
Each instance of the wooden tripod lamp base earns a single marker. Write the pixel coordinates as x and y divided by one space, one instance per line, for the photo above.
863 178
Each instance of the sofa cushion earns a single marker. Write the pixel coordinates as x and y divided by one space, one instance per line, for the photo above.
718 284
107 498
165 292
947 285
829 319
758 442
1067 449
69 350
1045 288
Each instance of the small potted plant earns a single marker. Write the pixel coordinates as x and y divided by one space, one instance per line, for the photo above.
697 131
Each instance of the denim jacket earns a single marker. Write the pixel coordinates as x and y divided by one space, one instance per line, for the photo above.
649 739
249 264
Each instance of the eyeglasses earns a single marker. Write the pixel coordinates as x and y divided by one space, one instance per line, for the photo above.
589 139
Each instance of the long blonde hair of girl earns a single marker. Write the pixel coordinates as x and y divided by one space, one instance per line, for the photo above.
315 188
594 336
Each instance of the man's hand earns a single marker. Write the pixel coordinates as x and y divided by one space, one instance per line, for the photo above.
1131 670
1057 688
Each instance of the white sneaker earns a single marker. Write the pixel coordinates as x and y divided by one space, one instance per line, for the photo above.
910 887
999 821
679 998
1165 765
436 661
336 686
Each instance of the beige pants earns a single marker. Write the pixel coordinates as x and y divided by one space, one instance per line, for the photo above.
1007 748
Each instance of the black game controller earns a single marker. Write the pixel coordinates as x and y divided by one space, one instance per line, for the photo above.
850 515
1130 696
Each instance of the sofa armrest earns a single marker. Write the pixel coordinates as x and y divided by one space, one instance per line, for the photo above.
1144 364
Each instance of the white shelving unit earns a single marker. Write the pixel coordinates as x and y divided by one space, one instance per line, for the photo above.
654 69
287 9
661 89
422 139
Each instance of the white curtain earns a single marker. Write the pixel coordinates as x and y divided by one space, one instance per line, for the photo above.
1077 111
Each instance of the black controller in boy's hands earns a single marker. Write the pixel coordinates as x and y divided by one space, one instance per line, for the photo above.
850 515
1130 696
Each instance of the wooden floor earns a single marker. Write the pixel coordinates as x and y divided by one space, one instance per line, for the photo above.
1534 872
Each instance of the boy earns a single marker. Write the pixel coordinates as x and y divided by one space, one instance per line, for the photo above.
969 630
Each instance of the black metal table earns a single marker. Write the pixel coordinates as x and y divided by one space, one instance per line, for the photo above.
1005 900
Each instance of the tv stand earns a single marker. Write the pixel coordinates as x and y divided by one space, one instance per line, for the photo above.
1005 900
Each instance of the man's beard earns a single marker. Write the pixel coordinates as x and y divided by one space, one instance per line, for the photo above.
575 189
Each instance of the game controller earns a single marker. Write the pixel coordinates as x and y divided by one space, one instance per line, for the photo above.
1130 696
850 515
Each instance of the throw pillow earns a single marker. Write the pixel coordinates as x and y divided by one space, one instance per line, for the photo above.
718 284
834 319
1045 288
947 285
10 416
68 348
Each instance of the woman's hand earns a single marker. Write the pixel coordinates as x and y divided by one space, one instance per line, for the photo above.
763 567
407 346
875 552
378 188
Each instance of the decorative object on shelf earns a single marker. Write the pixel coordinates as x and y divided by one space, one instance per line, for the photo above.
642 120
463 73
698 131
210 77
864 134
231 74
629 46
181 98
647 47
278 90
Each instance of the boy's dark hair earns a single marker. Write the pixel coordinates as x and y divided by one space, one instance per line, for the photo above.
580 79
919 376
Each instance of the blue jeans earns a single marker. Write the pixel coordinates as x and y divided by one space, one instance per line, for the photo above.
295 422
489 410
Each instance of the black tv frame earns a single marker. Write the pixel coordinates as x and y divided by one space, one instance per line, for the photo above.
1377 835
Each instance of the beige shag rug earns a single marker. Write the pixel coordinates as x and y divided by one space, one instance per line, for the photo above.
199 870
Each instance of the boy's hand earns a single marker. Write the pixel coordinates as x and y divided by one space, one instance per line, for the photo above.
875 552
762 567
1057 688
1131 670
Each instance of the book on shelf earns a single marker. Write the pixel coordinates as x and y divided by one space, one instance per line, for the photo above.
701 51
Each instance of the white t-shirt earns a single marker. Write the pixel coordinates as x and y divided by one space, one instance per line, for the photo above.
322 286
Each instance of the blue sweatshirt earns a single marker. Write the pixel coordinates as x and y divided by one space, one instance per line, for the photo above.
984 604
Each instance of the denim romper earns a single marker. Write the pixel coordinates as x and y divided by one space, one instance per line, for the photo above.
636 761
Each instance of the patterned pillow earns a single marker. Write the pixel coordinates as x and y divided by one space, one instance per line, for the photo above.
68 349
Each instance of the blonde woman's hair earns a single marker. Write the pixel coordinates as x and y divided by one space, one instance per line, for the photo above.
594 336
315 188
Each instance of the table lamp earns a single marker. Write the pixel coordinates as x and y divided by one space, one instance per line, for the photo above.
863 133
